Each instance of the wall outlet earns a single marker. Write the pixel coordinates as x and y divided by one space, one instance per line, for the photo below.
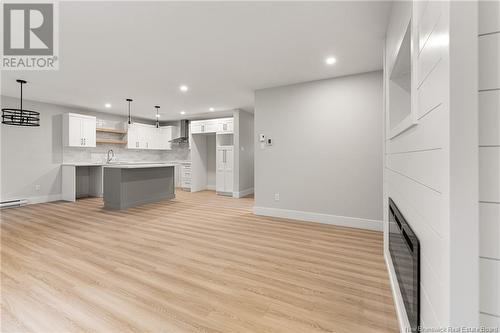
269 142
37 187
276 197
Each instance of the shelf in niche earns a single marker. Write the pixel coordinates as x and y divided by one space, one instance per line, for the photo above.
111 130
111 141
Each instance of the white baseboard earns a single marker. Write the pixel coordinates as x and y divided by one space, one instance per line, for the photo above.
404 324
44 198
344 221
38 199
243 193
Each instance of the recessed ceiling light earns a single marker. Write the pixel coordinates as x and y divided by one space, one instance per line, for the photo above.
107 105
183 88
211 109
183 112
330 60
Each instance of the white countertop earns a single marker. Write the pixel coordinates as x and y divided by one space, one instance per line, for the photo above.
139 166
121 164
83 164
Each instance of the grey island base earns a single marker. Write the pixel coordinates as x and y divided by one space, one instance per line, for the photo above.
126 186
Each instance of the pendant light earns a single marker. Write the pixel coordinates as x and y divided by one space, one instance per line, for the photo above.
157 116
129 117
20 117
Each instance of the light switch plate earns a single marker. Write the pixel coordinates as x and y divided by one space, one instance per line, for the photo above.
262 138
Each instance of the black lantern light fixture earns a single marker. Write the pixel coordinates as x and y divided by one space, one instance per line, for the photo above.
157 107
20 117
129 117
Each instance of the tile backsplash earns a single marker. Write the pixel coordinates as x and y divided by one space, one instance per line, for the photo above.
122 153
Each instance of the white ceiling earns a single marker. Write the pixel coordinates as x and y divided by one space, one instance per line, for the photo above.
223 51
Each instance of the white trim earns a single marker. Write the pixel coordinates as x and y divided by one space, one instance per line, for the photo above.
42 198
404 323
243 193
403 126
345 221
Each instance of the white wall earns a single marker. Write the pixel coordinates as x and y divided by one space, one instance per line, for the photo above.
326 159
243 153
32 156
489 161
431 169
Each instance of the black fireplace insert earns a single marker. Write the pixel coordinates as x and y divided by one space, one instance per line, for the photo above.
404 248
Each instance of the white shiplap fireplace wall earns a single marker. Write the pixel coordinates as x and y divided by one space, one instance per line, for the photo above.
431 168
489 161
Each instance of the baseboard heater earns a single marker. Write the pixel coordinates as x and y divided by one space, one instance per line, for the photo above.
404 247
13 203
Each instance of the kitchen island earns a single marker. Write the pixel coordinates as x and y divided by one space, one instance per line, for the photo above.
128 185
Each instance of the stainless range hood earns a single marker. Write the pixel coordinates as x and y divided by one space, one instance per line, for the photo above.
184 136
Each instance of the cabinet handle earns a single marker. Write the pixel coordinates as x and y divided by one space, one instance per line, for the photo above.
81 141
84 141
224 127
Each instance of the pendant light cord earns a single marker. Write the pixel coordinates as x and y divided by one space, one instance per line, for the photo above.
157 116
21 82
129 118
21 98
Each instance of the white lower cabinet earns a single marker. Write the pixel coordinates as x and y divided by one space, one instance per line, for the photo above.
186 176
183 176
224 173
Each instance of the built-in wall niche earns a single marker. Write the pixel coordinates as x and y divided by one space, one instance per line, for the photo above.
401 115
224 140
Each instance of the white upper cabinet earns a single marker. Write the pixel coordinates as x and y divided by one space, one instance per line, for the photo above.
133 137
79 130
164 137
226 125
220 126
143 136
203 126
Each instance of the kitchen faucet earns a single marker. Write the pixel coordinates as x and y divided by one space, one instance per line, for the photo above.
108 160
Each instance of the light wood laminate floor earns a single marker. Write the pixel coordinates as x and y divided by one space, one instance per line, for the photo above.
199 263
